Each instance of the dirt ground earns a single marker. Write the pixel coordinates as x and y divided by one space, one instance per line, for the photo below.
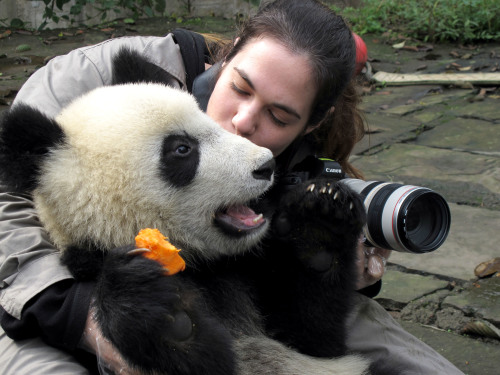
22 51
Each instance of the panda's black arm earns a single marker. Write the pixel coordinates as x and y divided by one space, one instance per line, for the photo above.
159 323
312 267
303 308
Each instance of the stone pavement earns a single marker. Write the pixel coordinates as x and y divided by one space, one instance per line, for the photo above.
444 138
447 139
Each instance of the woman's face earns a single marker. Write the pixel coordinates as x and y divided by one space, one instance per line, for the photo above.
265 94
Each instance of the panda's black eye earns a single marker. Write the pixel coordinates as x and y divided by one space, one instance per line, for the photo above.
182 149
180 155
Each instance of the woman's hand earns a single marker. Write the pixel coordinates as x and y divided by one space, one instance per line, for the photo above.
371 264
109 360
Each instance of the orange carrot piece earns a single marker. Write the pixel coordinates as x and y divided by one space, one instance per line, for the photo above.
160 250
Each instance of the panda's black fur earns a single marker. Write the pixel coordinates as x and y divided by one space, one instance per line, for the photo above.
256 311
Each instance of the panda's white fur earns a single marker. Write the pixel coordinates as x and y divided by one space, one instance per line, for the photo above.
101 184
104 183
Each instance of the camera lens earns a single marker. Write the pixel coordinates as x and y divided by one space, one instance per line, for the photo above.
403 217
424 221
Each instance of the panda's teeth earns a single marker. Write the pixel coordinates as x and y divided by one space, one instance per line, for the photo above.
257 218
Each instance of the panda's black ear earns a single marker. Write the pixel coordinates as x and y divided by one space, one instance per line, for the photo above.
26 137
130 66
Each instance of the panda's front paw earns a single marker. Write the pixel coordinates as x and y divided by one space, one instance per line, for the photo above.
321 219
159 323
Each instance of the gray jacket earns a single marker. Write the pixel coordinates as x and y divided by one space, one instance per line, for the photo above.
29 262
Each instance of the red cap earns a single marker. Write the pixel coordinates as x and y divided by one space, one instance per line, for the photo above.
361 54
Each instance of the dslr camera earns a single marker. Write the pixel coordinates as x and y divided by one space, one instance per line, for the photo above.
400 217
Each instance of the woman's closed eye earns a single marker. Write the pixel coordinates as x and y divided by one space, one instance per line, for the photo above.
238 90
275 119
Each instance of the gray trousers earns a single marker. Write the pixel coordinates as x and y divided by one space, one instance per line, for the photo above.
373 332
35 357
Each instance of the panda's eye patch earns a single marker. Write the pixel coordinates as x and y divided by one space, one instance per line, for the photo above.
180 157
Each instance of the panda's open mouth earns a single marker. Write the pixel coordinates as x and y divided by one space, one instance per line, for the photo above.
239 220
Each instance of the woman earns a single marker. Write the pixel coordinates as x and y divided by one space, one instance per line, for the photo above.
284 84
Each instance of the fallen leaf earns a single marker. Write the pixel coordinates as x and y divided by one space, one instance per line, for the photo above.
483 328
410 48
454 66
491 266
431 56
23 48
5 34
419 48
399 45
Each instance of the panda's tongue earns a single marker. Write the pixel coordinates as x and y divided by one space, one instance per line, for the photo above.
244 215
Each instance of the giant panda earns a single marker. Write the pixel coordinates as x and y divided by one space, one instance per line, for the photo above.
252 299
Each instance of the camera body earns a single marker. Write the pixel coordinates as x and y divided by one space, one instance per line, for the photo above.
400 217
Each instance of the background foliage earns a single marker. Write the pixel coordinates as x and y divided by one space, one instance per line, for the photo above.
429 20
138 8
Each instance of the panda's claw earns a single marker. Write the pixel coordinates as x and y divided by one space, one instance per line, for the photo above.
139 251
332 206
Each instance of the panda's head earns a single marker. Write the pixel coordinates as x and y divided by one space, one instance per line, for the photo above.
126 157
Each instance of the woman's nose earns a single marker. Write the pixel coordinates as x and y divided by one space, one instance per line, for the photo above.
245 120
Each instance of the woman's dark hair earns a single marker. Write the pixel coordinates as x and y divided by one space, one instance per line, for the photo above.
309 28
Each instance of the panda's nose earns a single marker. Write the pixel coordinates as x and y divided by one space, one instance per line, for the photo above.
265 171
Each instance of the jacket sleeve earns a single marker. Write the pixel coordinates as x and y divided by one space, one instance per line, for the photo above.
29 262
58 315
67 77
